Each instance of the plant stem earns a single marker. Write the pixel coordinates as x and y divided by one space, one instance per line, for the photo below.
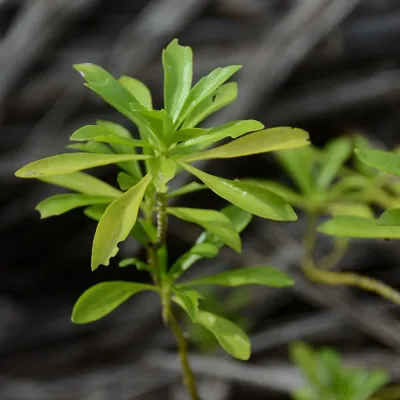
167 312
339 278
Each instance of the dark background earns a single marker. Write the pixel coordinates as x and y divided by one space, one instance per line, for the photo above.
328 66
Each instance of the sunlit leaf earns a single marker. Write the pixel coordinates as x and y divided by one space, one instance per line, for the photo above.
162 170
299 163
380 159
334 155
254 143
67 163
178 72
116 223
259 275
390 217
253 199
223 96
350 226
62 203
204 88
189 188
232 339
101 299
211 220
138 89
205 137
83 183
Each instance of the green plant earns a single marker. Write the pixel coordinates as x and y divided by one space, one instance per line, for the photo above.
168 142
328 379
327 186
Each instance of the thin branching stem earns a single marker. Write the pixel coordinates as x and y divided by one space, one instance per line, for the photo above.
317 274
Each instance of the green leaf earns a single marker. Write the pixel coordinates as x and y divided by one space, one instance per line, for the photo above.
126 181
253 199
138 89
369 384
204 88
299 163
239 217
205 137
258 275
351 209
390 217
99 134
305 359
61 203
178 73
104 84
334 155
350 226
132 167
380 159
95 212
255 143
211 220
189 188
67 163
140 265
286 193
101 299
83 183
232 339
223 96
91 147
162 170
116 223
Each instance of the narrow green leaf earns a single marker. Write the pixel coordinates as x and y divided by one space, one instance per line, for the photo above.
258 275
162 170
104 84
299 164
204 88
362 143
138 89
223 96
131 167
351 209
67 163
390 217
383 160
205 137
254 143
91 147
189 301
101 299
83 183
239 217
126 181
350 226
253 199
140 265
305 358
95 212
334 155
99 134
116 223
189 188
211 220
178 73
62 203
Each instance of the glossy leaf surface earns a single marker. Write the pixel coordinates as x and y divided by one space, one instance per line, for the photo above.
138 89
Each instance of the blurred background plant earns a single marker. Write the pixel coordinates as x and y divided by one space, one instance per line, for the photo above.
330 67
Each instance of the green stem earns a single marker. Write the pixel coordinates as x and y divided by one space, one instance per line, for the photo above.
167 312
339 278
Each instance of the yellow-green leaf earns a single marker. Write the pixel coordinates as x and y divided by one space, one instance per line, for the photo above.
67 163
162 170
116 223
211 220
358 227
254 199
82 183
258 275
189 188
61 203
384 160
390 217
178 72
101 299
351 209
138 89
255 143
